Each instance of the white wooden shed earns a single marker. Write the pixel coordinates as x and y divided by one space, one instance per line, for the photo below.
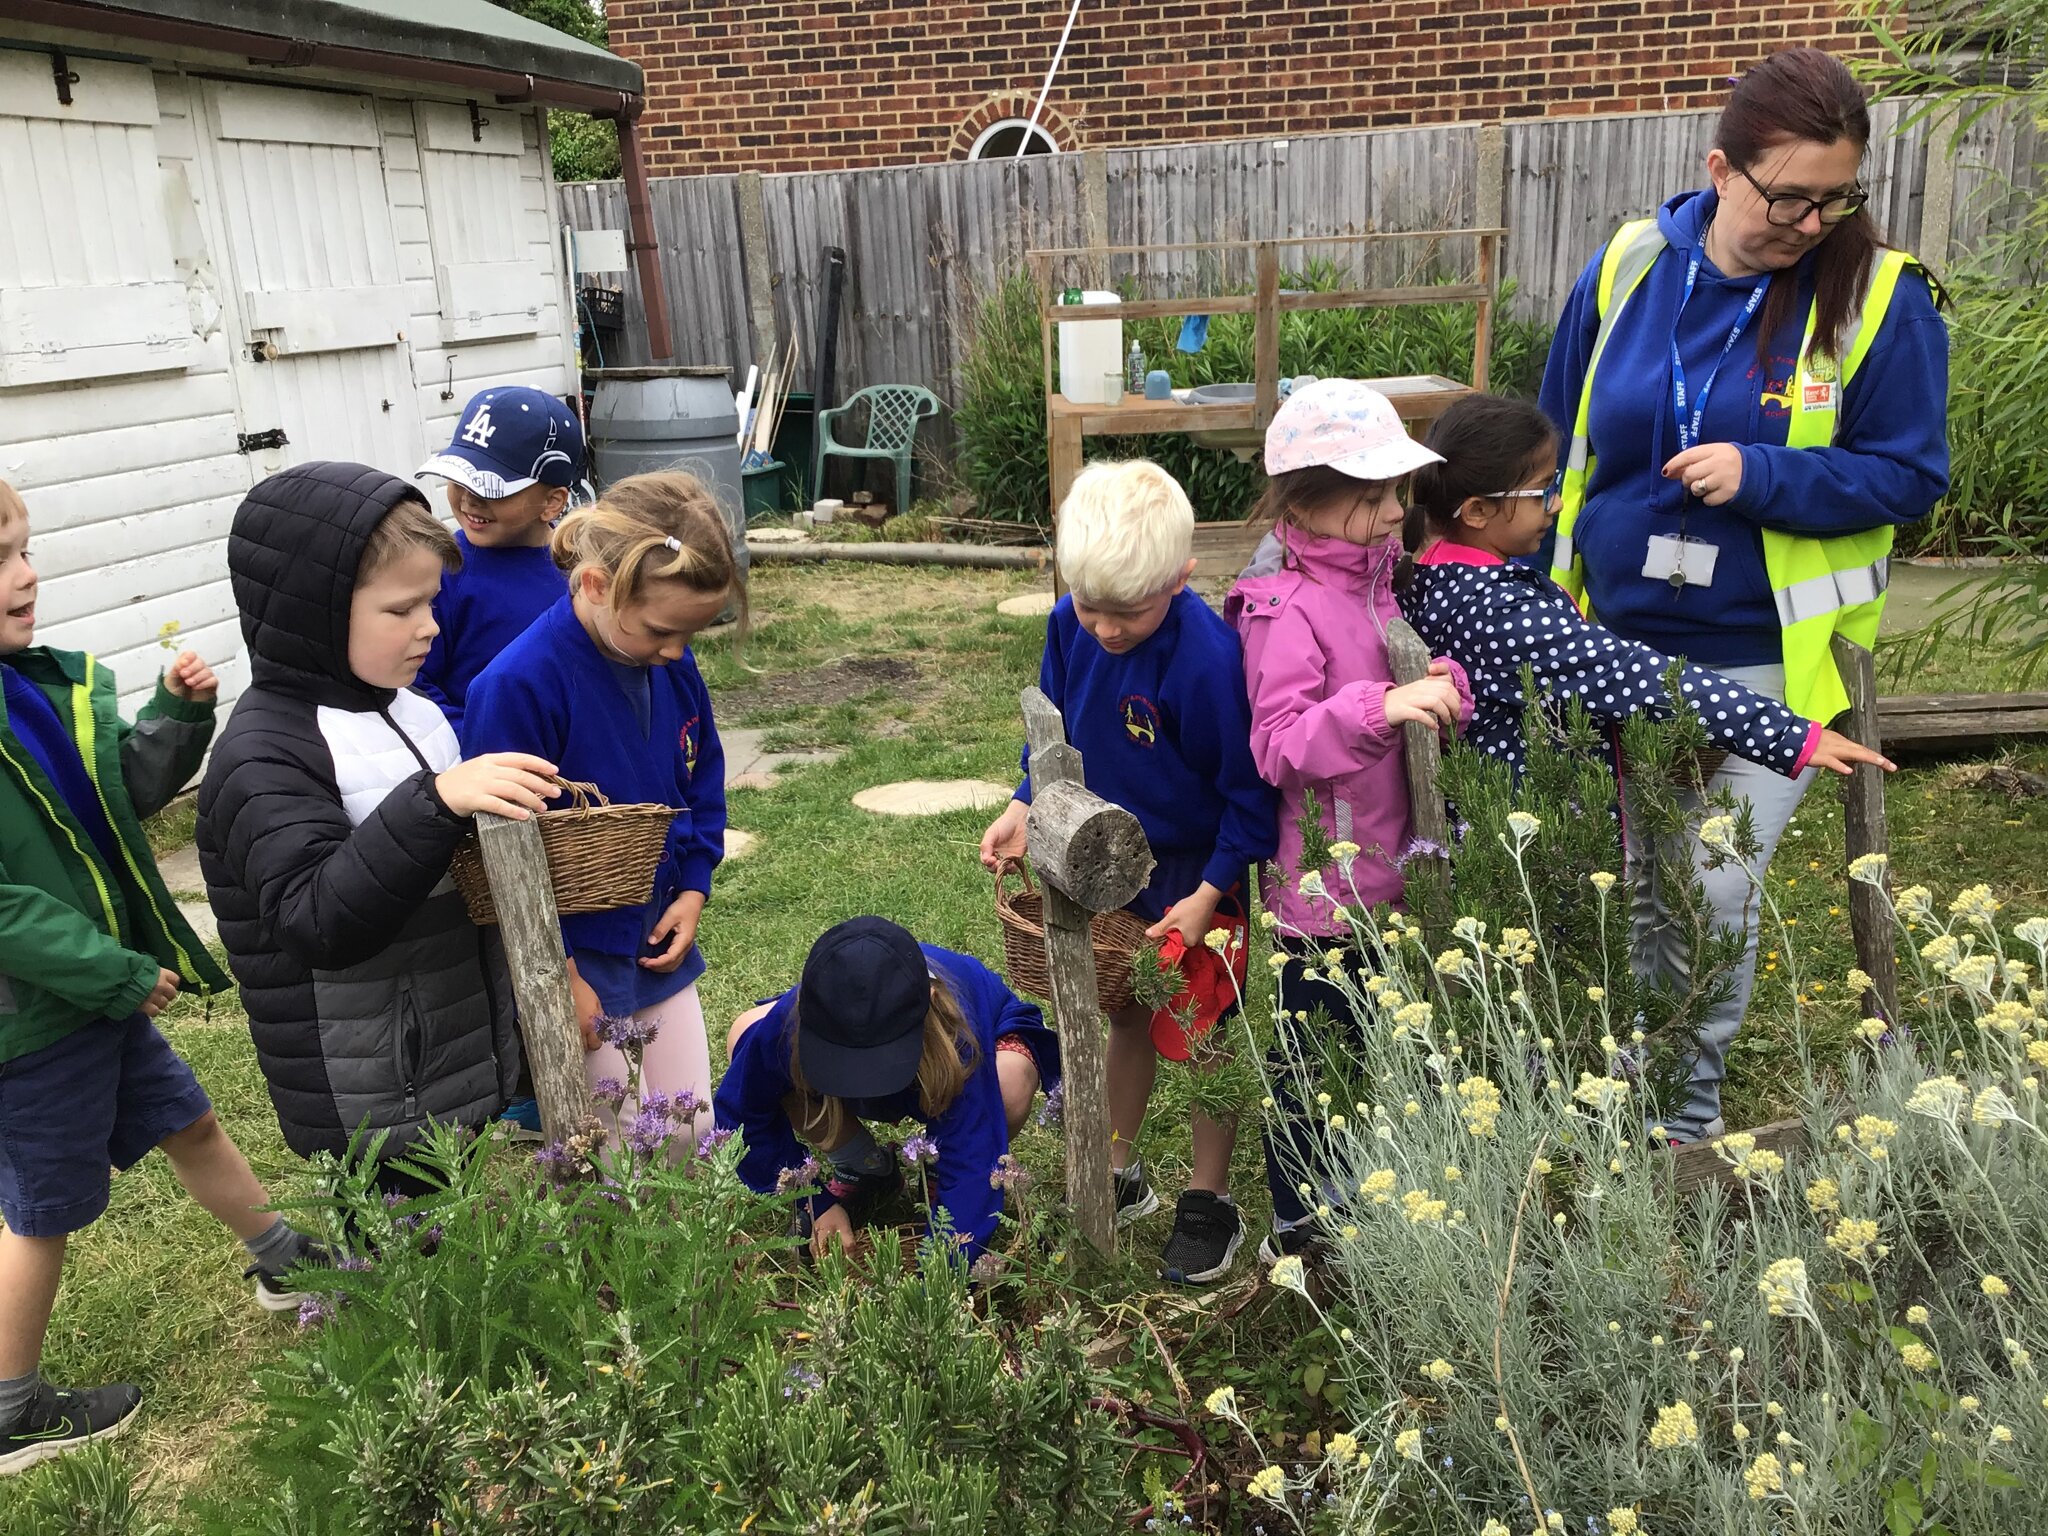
235 237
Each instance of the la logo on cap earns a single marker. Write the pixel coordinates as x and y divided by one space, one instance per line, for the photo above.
480 431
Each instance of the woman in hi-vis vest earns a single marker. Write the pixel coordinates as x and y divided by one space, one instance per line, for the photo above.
1753 393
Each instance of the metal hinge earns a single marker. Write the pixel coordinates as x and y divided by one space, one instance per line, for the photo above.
257 442
63 74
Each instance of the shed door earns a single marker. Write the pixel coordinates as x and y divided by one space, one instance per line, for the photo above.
322 355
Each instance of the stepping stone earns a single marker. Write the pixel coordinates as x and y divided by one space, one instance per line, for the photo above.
746 757
181 870
200 916
1030 605
750 781
739 844
932 797
775 535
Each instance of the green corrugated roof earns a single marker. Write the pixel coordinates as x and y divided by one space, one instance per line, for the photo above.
472 32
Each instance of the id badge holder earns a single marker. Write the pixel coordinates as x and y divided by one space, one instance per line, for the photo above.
1681 562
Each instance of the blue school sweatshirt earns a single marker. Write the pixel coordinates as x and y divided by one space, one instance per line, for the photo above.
972 1133
553 693
1164 731
1889 462
483 608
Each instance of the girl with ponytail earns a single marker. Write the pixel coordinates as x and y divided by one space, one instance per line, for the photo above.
606 678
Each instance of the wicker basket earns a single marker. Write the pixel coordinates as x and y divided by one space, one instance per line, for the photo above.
1115 938
600 856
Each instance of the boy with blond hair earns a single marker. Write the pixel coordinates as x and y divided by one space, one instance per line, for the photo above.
92 949
1150 682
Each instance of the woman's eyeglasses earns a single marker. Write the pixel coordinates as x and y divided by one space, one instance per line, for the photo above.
1787 209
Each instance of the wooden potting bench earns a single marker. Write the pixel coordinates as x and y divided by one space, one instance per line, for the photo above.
1241 425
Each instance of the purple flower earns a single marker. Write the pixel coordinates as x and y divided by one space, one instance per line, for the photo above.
711 1141
1420 848
920 1151
630 1034
352 1263
803 1381
802 1176
1009 1175
1054 1106
986 1269
609 1092
658 1104
646 1132
314 1310
684 1106
393 1199
556 1162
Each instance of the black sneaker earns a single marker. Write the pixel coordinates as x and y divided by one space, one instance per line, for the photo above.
1135 1197
273 1292
1302 1242
870 1192
1206 1232
55 1422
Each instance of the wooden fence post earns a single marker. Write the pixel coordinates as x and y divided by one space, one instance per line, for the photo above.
1864 831
1422 749
517 864
1091 857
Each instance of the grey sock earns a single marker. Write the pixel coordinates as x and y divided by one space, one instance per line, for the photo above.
277 1248
15 1393
860 1153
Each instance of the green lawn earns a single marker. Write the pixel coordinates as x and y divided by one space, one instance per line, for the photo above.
916 676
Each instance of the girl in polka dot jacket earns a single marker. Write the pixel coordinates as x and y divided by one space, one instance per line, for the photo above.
1489 502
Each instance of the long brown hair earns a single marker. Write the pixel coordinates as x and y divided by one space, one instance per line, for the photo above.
1805 93
951 1055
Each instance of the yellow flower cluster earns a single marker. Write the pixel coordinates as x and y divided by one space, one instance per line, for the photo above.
1784 1287
1481 1107
1941 952
1915 901
1453 962
1868 867
1858 980
1420 1207
1747 1159
1344 852
1764 1477
1993 1107
1856 1239
1675 1428
1600 1094
2007 1017
1379 1185
1623 1521
1918 1357
1270 1483
1993 1286
1517 946
1602 881
1874 1134
1938 1098
1975 974
1343 1447
1976 904
1439 1371
1824 1197
1408 1443
1415 1016
1222 1402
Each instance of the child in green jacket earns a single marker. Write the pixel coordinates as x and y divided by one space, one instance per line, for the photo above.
92 948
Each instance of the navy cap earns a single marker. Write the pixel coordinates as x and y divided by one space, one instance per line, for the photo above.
508 439
860 1010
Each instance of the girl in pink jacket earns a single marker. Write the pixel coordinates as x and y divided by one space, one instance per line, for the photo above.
1312 610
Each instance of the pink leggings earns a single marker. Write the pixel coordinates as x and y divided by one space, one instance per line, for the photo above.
676 1060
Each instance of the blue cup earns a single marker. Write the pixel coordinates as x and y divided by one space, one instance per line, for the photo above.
1158 386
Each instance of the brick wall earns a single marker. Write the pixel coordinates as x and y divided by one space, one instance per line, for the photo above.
796 85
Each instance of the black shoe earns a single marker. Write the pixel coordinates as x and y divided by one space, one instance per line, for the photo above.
869 1192
1206 1232
55 1422
273 1292
1302 1242
1135 1197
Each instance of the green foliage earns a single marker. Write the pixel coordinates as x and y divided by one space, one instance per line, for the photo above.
91 1492
900 1412
584 148
1001 413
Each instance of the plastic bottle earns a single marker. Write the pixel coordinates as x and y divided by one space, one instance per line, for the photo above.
1134 370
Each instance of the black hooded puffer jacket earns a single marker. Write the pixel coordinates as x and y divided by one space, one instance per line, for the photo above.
374 1001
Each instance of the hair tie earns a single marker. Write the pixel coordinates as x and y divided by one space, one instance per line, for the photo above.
673 543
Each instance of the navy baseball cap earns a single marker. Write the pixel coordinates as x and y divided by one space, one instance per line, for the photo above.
860 1010
508 439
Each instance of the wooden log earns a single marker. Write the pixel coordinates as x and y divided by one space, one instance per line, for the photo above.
1076 1006
1266 337
1864 832
1958 723
1081 844
969 556
1428 875
532 932
1699 1163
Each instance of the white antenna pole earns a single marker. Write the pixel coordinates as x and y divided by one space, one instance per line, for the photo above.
1045 90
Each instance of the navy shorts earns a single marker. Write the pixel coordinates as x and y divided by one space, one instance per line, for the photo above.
99 1098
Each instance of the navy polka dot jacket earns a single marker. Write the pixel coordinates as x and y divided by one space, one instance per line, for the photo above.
1492 617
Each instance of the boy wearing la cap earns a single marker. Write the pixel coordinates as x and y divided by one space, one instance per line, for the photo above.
1151 685
510 467
883 1028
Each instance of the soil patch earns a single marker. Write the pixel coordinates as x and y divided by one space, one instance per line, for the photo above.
850 677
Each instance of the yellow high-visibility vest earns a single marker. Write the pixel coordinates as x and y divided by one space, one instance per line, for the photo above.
1823 587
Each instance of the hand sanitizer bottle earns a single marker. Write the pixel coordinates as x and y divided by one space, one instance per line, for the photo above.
1134 370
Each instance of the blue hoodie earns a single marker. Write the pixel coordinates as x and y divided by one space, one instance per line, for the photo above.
483 608
972 1132
1889 463
553 693
1164 731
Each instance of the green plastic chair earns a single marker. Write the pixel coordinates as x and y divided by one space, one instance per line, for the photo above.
893 412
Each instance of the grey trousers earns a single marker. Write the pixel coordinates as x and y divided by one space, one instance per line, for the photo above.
1660 949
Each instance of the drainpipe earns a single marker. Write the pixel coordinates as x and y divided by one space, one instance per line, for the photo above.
646 250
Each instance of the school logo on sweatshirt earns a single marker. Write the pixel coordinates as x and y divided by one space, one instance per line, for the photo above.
688 743
1141 719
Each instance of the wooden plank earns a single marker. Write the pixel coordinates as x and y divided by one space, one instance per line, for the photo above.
1864 832
1372 237
1422 755
1699 1163
1968 723
273 114
1266 338
517 864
